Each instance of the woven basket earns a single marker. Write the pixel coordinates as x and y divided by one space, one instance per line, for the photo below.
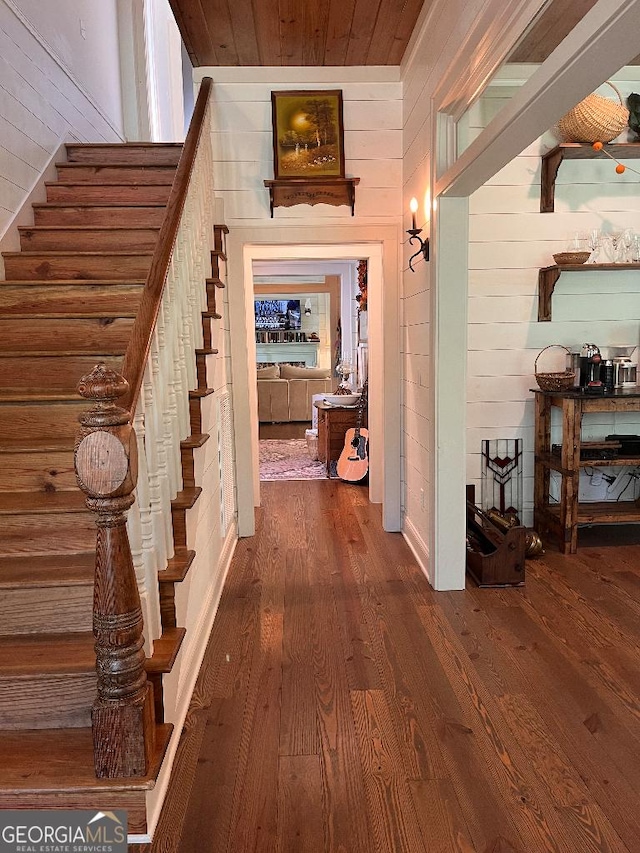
560 381
595 119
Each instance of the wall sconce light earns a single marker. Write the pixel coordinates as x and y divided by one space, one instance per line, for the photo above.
307 307
414 234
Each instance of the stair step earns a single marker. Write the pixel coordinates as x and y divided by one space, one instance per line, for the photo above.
178 567
99 215
40 238
41 503
47 571
54 372
46 471
49 594
165 651
47 680
118 298
84 265
120 173
159 153
23 424
108 192
197 440
82 336
186 499
42 768
37 395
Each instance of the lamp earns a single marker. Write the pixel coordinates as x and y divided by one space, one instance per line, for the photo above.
414 234
307 307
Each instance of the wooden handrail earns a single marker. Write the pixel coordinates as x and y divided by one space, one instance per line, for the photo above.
135 358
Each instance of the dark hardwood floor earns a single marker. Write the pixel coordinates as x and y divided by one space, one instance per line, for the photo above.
343 705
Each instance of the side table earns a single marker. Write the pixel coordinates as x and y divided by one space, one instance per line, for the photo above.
333 423
564 518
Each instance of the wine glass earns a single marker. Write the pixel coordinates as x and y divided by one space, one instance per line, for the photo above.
595 242
627 242
615 237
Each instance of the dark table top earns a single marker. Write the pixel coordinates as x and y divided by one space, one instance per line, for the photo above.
577 394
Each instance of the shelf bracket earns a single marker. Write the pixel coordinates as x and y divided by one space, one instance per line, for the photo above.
550 165
547 278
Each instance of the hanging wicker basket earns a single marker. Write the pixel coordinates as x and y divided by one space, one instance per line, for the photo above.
595 119
559 381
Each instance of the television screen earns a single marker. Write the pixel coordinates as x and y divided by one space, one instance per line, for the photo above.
277 314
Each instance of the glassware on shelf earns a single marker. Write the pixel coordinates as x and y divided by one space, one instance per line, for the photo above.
627 242
595 244
616 239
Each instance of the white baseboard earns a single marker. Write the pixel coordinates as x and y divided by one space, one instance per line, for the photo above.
418 546
198 645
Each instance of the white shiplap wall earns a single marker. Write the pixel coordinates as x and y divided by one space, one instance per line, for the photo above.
441 31
43 100
509 240
243 151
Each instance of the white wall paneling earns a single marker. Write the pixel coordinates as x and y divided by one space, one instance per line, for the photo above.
56 84
506 247
243 149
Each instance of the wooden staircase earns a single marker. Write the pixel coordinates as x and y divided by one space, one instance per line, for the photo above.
68 302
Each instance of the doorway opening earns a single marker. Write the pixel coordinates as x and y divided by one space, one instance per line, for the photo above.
306 328
384 349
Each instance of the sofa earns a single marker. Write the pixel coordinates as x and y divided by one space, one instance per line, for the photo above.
285 391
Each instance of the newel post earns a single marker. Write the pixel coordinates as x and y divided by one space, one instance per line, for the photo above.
106 467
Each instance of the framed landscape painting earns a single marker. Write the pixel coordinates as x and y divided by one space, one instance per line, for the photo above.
308 135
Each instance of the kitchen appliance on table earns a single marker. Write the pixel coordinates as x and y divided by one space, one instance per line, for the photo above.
625 367
590 369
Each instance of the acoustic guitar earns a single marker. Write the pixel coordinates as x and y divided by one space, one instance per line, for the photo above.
353 464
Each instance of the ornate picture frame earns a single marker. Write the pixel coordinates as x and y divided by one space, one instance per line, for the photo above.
308 134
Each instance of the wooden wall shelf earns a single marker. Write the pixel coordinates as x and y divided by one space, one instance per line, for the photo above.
576 151
548 276
287 192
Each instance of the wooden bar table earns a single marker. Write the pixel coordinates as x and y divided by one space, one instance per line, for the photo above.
564 518
333 423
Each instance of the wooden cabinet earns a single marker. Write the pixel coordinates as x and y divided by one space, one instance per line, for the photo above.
563 519
333 423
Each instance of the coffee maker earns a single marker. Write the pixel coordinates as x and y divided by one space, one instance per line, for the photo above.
625 368
590 364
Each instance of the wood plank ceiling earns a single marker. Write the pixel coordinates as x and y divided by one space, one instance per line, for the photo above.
296 32
335 32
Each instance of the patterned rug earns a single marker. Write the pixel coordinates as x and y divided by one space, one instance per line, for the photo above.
288 459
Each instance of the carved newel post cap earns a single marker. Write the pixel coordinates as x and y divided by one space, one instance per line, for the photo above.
106 450
103 385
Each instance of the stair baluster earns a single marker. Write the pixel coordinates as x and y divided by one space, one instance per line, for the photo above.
148 576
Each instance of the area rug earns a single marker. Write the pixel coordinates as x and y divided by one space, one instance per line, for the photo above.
288 459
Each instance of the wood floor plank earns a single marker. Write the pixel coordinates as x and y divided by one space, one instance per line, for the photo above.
343 788
440 816
391 809
300 805
298 725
